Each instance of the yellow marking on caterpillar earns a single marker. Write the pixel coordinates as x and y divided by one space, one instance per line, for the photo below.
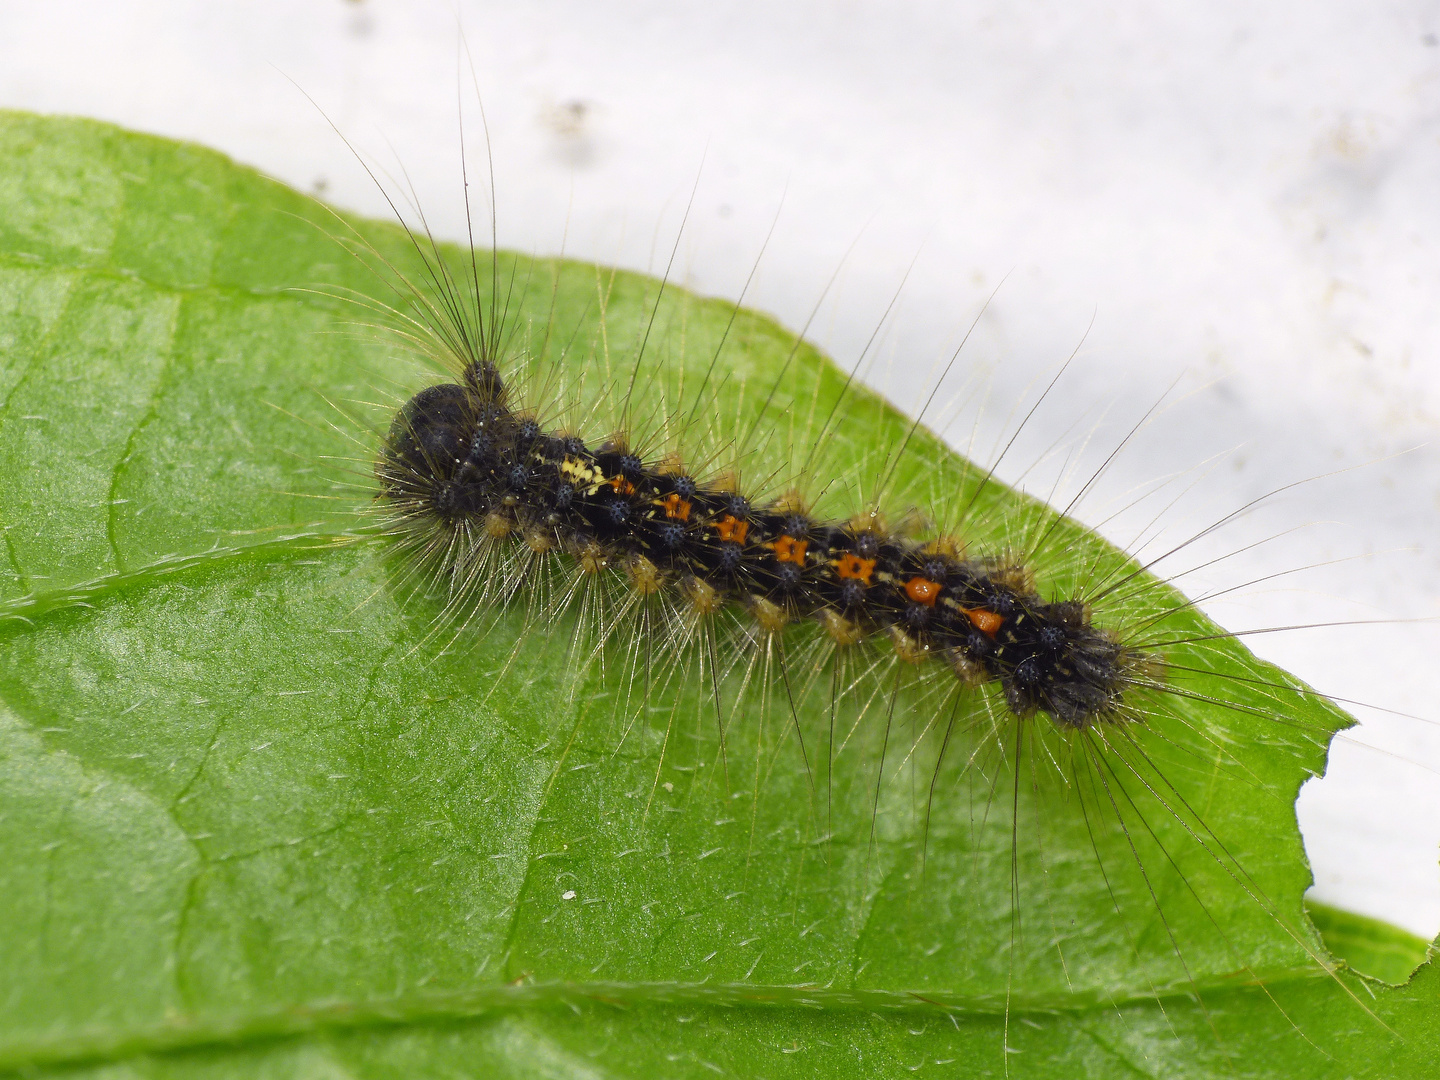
702 596
770 615
844 631
645 576
583 474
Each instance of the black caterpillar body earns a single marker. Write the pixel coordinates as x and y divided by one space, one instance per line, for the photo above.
463 455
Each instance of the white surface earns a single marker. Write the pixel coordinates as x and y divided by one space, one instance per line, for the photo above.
1243 200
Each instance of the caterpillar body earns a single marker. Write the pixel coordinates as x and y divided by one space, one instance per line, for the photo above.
462 466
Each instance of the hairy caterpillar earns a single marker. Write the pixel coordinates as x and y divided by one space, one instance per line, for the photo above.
463 469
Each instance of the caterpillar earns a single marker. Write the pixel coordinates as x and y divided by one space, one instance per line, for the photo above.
465 466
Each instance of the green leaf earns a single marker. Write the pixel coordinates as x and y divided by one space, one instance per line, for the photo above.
1378 949
258 817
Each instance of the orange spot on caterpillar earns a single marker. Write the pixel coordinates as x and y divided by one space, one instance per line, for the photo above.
851 565
621 485
732 528
676 507
987 622
922 590
788 549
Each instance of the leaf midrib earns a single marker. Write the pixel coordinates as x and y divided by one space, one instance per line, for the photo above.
101 1043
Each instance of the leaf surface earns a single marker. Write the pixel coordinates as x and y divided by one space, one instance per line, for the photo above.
258 818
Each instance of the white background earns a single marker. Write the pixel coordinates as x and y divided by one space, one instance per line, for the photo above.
1244 203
